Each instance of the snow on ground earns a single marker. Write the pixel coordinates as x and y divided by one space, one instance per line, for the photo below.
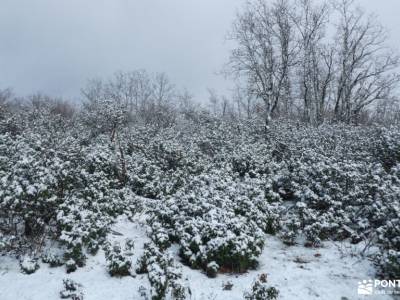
298 273
326 273
46 283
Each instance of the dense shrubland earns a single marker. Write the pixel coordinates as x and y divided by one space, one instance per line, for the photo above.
212 187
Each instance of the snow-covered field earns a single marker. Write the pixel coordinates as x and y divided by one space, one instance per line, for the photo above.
208 210
330 272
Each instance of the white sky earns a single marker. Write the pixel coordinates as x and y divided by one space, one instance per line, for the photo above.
55 45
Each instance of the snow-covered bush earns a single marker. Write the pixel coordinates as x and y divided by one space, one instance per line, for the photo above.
158 164
386 147
164 275
217 219
95 198
212 269
118 261
29 264
129 247
72 290
6 243
104 116
67 191
71 265
260 290
388 260
333 197
53 259
28 185
388 263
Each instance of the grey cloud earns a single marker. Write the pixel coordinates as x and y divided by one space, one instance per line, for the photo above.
55 45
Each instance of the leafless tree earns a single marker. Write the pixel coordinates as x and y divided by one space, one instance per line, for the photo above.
163 89
214 101
387 112
161 109
133 89
315 61
263 34
366 67
244 101
93 91
144 97
5 96
185 102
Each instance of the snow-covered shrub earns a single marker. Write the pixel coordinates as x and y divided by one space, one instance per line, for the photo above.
158 165
388 260
72 290
34 164
67 189
159 235
227 286
53 259
28 185
7 243
260 290
104 116
118 262
331 195
386 147
71 265
388 263
290 230
129 247
29 264
212 269
92 204
229 240
164 275
218 219
244 162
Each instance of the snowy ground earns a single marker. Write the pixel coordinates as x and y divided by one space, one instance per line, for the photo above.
331 272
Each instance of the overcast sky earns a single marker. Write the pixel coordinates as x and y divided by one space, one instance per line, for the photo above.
53 46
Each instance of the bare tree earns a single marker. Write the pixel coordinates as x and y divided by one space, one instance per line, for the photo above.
133 89
244 101
163 89
214 101
323 85
185 99
315 62
161 110
366 67
93 91
5 97
387 112
285 33
141 96
263 54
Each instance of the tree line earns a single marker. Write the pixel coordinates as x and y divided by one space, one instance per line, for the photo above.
318 60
